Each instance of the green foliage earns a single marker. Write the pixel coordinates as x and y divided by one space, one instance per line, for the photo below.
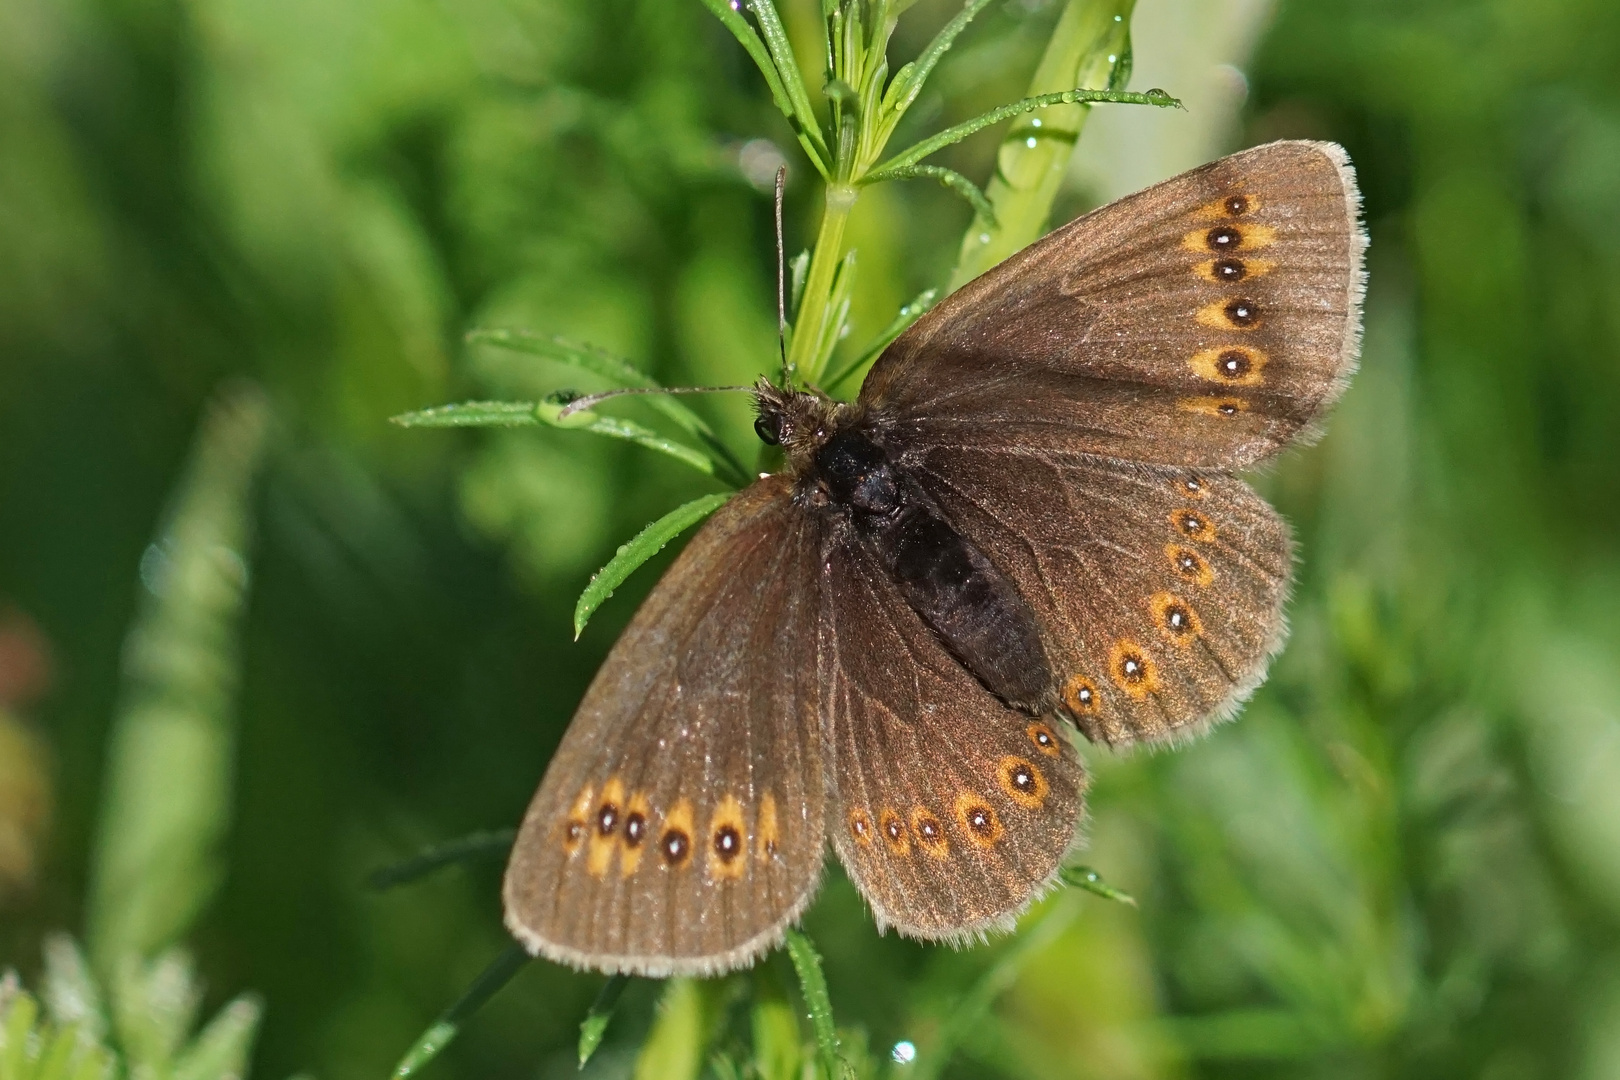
1400 860
140 1026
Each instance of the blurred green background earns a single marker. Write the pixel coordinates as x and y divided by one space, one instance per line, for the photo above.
1402 860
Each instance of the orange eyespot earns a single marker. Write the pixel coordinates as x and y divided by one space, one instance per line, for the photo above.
1044 738
978 821
1190 565
1023 783
893 831
1132 670
1193 525
1080 695
1175 618
1230 365
930 833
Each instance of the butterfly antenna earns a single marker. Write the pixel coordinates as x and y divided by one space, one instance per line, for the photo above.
781 264
582 403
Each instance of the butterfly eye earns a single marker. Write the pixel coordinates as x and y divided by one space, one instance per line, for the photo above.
768 426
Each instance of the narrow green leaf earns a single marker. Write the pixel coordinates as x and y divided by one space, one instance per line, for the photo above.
471 414
16 1029
647 543
749 40
680 1032
813 985
907 315
596 1021
909 83
1066 97
444 1030
494 842
953 180
618 372
57 1054
787 66
1084 877
223 1047
549 412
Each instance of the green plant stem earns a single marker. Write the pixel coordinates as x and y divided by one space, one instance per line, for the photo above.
1089 47
815 307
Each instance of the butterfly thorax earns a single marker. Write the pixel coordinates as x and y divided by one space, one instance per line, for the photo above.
849 472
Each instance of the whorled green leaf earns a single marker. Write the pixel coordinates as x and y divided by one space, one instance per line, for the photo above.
953 180
549 413
493 842
443 1031
1084 877
472 414
787 68
647 543
595 1024
618 372
957 133
908 83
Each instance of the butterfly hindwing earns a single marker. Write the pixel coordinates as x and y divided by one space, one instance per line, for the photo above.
1206 321
951 810
1159 591
679 827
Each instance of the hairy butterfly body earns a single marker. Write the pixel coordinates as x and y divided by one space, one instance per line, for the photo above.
1028 520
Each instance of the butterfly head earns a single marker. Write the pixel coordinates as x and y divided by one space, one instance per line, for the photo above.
796 421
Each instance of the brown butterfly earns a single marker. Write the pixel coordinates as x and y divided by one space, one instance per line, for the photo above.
1028 519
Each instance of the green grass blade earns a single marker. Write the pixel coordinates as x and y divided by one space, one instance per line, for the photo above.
595 1024
444 1030
494 842
647 543
907 315
167 802
1090 46
953 180
1084 877
813 985
471 414
956 134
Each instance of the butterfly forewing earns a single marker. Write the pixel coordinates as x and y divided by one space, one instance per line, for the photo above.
1205 321
951 810
679 827
1159 591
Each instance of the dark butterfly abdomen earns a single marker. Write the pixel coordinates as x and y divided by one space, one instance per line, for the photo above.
972 606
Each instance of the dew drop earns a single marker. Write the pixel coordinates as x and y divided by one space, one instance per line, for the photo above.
1030 142
905 1052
